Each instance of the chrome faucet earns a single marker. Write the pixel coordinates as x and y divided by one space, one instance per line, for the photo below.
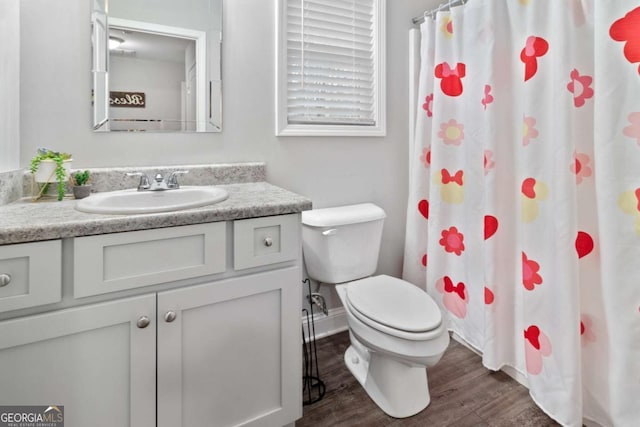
158 183
144 180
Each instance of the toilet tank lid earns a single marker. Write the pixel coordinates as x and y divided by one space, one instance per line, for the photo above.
343 215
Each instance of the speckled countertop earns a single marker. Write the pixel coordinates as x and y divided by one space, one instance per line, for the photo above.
25 221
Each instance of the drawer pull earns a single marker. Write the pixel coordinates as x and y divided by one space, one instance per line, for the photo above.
5 279
268 242
170 316
143 322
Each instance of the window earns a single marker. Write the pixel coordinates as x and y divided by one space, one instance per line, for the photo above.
330 75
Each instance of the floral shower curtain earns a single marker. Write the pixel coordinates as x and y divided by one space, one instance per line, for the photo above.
523 217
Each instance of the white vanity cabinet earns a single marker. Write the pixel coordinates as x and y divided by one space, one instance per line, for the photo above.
95 360
209 336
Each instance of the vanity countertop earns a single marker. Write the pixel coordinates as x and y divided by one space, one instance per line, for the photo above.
24 221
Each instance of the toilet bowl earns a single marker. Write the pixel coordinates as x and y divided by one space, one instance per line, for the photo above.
395 328
389 361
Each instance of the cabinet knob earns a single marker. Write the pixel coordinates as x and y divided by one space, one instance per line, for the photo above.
5 279
170 316
143 322
268 241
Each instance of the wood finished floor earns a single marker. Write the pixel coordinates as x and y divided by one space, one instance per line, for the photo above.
463 393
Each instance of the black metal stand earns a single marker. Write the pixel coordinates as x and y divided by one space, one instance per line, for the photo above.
313 388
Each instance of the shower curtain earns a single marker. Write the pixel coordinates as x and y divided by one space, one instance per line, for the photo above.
523 218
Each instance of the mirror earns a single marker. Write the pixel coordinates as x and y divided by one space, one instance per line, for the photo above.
156 65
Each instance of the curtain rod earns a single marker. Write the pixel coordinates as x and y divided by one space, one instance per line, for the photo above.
431 13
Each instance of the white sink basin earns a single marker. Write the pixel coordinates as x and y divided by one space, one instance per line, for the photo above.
127 202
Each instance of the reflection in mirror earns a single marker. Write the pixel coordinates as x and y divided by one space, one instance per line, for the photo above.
158 68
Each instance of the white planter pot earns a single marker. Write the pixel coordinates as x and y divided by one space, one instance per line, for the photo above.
46 171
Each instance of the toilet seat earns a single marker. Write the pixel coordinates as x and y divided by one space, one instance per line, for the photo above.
395 307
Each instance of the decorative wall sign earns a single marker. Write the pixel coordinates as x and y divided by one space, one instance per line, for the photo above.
127 99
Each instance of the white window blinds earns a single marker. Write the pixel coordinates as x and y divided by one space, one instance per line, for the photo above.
331 62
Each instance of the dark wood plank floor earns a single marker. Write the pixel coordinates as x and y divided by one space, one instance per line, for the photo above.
463 393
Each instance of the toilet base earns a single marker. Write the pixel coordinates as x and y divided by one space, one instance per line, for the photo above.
399 389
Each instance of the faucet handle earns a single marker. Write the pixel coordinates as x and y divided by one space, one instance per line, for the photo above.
172 181
144 180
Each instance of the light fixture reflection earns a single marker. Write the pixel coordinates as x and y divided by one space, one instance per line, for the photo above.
114 42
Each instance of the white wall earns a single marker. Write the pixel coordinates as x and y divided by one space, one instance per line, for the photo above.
159 80
9 85
329 170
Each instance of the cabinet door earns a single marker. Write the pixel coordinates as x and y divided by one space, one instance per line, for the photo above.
231 356
94 360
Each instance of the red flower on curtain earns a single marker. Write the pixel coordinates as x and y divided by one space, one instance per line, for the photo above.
428 105
452 241
580 87
451 83
626 30
633 130
530 276
533 49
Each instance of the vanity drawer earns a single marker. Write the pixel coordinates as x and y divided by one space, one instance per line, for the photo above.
268 240
30 274
115 262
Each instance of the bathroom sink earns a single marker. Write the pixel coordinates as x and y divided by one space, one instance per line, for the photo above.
140 202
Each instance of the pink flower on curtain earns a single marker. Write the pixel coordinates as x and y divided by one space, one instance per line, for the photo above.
581 166
426 157
633 130
530 276
533 49
529 130
423 261
626 30
455 297
586 330
451 83
580 87
451 132
536 346
452 241
447 27
428 105
488 161
488 98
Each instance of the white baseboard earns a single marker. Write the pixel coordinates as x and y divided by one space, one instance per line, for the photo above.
335 322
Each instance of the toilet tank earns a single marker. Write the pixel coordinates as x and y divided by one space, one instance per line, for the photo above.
343 243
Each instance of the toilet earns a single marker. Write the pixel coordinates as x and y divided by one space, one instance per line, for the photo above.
396 329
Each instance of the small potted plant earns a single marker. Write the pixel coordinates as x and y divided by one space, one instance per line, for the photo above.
81 186
51 166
